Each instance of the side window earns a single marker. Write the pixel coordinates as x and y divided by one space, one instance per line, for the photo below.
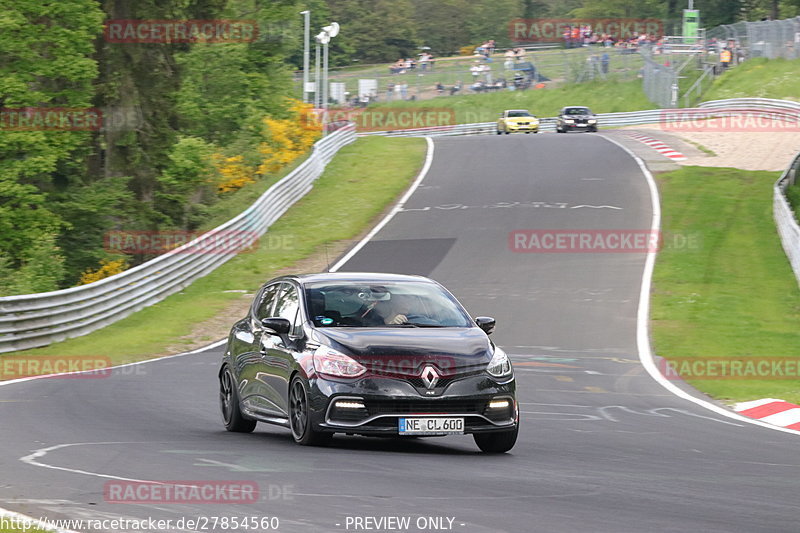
288 307
267 299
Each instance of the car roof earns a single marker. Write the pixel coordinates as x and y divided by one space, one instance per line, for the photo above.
367 277
571 106
525 110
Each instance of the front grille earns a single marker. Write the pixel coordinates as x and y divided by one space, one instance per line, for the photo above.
444 381
379 407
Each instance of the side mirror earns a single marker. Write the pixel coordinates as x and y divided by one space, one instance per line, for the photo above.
276 326
486 323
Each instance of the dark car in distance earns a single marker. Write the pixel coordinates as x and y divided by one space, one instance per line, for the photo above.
368 354
576 118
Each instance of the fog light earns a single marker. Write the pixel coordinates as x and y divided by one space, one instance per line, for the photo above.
344 404
498 404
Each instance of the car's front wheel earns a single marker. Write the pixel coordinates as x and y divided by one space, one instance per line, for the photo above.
229 403
300 417
497 442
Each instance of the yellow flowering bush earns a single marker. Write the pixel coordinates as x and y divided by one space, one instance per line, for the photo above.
234 173
287 139
105 270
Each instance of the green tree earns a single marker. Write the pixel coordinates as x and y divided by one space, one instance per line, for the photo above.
46 62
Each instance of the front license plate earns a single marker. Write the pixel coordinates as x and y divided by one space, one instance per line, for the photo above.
431 426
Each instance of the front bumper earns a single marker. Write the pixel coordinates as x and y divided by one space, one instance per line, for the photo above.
385 400
579 126
519 128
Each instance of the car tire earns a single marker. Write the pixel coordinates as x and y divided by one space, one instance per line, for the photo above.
497 442
507 132
232 415
559 130
499 132
299 417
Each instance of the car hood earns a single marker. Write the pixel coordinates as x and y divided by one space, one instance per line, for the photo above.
580 117
407 350
522 119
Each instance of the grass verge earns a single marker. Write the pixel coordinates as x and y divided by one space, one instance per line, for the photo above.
734 293
758 78
355 188
601 97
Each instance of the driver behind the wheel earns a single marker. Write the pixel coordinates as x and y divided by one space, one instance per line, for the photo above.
389 312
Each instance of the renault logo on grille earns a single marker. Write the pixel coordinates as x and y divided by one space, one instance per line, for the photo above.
430 377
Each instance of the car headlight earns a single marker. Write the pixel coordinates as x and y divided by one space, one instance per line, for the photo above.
592 121
500 365
568 120
334 363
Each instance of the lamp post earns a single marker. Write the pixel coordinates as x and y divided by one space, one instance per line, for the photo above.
330 31
306 53
317 83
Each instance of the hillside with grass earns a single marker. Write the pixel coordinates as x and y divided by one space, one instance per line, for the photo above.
601 97
759 78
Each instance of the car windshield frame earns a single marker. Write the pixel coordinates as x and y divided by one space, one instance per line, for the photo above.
568 111
382 304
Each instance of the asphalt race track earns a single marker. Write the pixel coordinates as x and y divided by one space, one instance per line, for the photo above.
603 447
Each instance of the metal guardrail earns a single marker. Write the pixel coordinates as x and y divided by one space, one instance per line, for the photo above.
32 320
715 108
788 229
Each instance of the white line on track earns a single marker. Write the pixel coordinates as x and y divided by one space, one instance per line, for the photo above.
421 176
643 314
32 459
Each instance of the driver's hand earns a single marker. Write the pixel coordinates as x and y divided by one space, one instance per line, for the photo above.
398 319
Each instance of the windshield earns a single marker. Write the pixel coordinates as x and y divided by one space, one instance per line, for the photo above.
519 114
394 304
577 111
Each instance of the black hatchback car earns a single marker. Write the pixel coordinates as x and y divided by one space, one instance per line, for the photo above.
369 354
576 118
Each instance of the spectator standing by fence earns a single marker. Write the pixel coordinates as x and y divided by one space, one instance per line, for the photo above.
725 58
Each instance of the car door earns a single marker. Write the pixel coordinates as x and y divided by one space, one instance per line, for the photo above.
251 364
279 350
501 122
